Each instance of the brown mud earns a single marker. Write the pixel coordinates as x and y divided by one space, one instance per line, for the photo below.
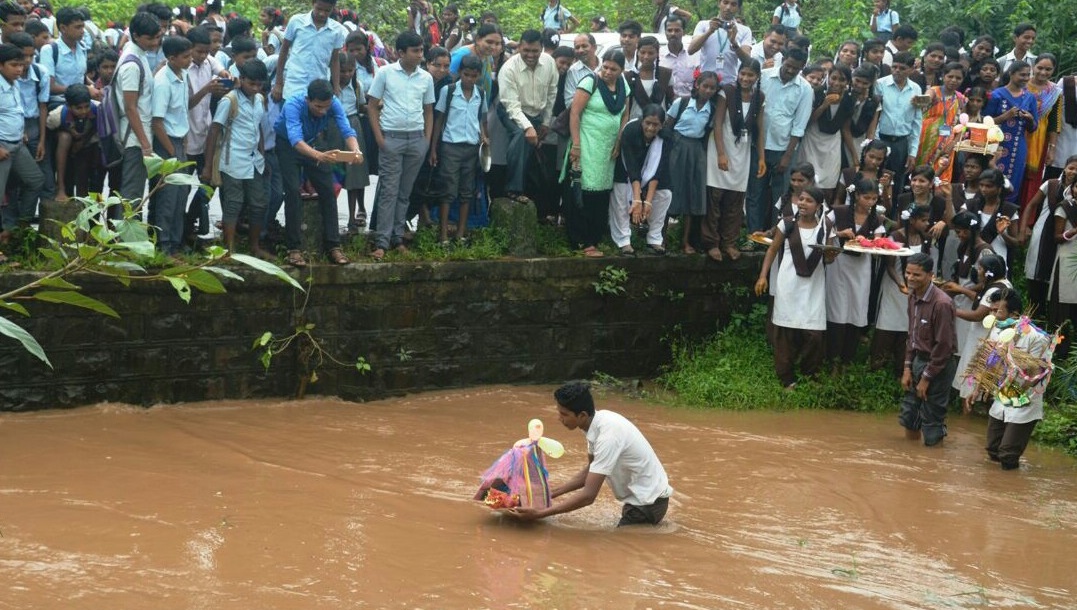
328 504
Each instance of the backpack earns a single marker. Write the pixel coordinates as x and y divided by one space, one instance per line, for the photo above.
225 138
684 105
109 113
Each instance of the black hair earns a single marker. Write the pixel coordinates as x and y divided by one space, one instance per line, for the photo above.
801 42
470 62
238 26
617 57
76 94
994 269
925 171
68 15
319 90
1014 303
9 52
244 44
105 55
778 28
952 36
558 52
876 144
867 71
845 71
865 185
276 16
408 40
752 64
631 26
159 11
531 37
979 92
797 54
174 45
1042 56
655 110
818 196
486 29
806 169
967 221
435 52
953 65
676 19
35 28
21 40
551 39
199 35
575 396
1021 28
255 70
9 8
144 24
906 31
904 58
923 261
649 41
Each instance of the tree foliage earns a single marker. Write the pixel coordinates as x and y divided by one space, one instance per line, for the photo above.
827 22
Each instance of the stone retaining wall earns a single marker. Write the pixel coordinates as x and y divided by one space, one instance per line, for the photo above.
421 326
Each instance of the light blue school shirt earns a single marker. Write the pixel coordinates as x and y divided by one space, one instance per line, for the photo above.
12 121
366 79
352 97
296 124
899 117
462 124
692 123
69 68
787 108
788 16
269 136
887 21
240 157
550 16
310 52
34 89
403 96
170 95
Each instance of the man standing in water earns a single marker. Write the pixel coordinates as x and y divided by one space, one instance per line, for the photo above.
618 453
929 354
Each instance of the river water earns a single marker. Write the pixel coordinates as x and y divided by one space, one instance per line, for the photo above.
329 504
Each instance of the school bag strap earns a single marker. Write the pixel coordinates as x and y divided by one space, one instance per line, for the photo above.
224 142
448 100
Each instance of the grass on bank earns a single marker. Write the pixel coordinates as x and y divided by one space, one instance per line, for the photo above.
734 369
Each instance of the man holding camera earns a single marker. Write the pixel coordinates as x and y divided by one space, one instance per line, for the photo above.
725 43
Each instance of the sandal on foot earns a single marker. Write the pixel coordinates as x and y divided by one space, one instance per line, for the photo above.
592 252
295 259
378 254
337 256
627 251
656 250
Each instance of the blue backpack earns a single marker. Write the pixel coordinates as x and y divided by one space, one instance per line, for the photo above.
109 113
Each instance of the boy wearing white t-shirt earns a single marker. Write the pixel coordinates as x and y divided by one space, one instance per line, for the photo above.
617 453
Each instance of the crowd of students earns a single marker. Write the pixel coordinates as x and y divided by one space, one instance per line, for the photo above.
724 131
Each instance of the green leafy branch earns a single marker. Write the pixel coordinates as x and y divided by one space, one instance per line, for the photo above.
312 352
94 245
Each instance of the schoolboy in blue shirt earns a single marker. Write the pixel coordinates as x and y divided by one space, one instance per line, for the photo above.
34 87
241 162
458 130
14 157
78 150
170 126
65 59
303 120
402 134
309 51
134 79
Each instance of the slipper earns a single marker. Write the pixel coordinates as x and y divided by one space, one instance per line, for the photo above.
337 256
592 252
378 254
295 259
627 251
656 250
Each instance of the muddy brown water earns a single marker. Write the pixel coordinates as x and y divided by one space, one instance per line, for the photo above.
328 504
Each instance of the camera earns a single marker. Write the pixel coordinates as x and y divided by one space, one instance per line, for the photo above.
725 25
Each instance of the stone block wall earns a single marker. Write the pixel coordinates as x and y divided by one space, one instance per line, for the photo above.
421 326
